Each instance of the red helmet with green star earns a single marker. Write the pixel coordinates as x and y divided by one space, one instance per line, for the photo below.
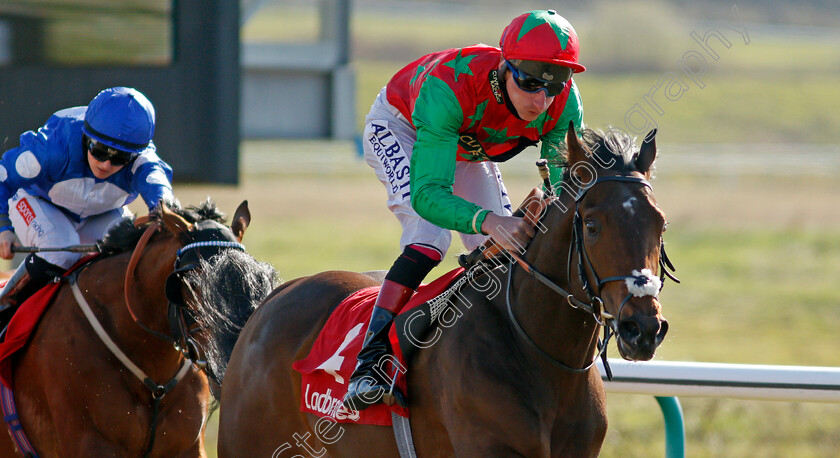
542 36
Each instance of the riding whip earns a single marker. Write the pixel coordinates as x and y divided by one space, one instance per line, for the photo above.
542 165
94 248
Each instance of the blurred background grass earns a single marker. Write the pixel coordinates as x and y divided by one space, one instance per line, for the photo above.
746 174
781 86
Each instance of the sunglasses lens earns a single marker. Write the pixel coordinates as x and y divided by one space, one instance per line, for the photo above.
98 153
532 84
103 154
554 89
118 160
529 84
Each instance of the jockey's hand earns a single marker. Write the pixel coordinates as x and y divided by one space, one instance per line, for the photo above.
508 231
7 239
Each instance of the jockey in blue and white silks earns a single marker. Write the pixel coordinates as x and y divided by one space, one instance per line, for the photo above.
70 181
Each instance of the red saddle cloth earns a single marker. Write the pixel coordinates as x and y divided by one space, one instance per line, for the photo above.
24 322
326 370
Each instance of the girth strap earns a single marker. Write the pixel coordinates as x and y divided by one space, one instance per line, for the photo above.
402 433
10 416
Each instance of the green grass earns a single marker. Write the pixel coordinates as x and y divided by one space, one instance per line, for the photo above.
754 297
724 428
759 259
738 107
758 256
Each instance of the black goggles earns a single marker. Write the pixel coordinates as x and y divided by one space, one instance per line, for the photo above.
532 84
104 153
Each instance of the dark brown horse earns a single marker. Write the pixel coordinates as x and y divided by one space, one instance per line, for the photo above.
514 375
142 394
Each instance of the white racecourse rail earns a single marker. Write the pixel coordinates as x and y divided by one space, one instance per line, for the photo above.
741 381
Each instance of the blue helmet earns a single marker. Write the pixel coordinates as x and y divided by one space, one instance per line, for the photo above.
121 118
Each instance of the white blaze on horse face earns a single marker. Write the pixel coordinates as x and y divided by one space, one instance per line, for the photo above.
630 205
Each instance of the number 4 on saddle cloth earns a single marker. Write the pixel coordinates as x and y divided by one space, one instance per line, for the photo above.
325 372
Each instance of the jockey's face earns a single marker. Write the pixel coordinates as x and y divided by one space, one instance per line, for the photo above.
529 105
102 170
105 161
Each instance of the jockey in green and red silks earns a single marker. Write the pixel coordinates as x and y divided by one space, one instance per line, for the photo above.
433 137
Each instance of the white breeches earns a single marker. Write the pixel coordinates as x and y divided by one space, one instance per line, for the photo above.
39 223
388 151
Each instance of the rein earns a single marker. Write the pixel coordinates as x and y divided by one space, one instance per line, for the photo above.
180 332
524 335
595 306
129 278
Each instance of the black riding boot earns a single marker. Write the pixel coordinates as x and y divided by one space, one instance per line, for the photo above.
366 386
31 275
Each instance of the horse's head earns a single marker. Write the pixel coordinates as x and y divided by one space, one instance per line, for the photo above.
216 280
189 259
617 235
201 240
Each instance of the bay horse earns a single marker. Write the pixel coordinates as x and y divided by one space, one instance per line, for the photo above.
135 387
515 375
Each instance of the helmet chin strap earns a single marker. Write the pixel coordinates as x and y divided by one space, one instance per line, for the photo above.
503 86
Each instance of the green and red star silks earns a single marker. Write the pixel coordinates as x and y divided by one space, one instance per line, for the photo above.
456 102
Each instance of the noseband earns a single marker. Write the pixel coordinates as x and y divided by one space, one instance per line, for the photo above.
637 282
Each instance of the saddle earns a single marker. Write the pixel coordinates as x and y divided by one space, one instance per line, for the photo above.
326 371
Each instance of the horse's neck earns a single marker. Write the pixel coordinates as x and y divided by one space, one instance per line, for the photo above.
566 333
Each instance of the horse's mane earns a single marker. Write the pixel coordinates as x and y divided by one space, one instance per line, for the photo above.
125 235
232 285
614 147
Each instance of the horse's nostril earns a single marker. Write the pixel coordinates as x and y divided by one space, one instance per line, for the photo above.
629 331
663 329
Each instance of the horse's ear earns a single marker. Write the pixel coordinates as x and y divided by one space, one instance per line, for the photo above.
174 222
241 220
647 153
576 152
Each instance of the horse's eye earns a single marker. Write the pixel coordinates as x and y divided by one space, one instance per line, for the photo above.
591 227
665 227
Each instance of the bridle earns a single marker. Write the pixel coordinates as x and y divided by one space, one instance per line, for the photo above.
207 239
594 305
